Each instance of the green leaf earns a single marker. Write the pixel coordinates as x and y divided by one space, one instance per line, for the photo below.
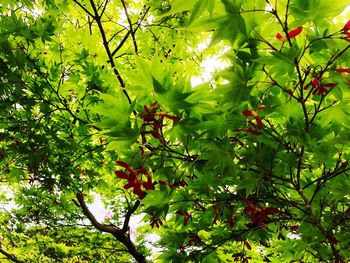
178 6
211 258
158 87
198 8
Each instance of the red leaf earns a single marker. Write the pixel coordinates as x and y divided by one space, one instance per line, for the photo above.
248 210
216 214
157 136
346 27
234 139
121 175
331 85
248 113
128 185
194 239
322 90
248 203
142 171
259 218
183 183
280 37
307 86
186 217
137 189
270 210
258 122
231 220
157 125
246 243
150 107
254 217
315 82
156 222
251 113
148 185
171 185
295 32
148 117
294 228
291 34
347 36
163 182
252 131
262 107
153 105
126 166
174 118
319 90
342 70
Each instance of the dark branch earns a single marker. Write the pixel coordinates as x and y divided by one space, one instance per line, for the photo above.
130 25
121 236
84 8
102 227
128 215
9 256
121 43
127 34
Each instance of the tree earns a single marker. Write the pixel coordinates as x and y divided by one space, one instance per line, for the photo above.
97 104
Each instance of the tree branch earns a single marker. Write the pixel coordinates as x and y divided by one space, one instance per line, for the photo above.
127 34
130 25
9 256
102 227
84 8
128 215
119 234
105 44
300 161
326 177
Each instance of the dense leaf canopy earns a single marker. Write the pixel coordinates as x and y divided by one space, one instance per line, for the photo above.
102 125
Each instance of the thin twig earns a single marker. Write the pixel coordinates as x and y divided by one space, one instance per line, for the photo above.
130 25
84 8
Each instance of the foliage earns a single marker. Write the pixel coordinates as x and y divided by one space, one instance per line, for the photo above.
97 104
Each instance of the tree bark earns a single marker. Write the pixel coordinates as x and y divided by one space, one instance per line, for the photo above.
121 235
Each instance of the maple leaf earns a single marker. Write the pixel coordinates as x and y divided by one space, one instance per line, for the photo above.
246 243
291 34
155 222
342 70
148 185
155 121
319 88
346 31
216 214
185 215
251 113
194 239
252 131
153 105
258 215
231 219
133 181
346 27
125 165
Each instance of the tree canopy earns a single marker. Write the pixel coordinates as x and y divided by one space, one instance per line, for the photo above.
99 106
